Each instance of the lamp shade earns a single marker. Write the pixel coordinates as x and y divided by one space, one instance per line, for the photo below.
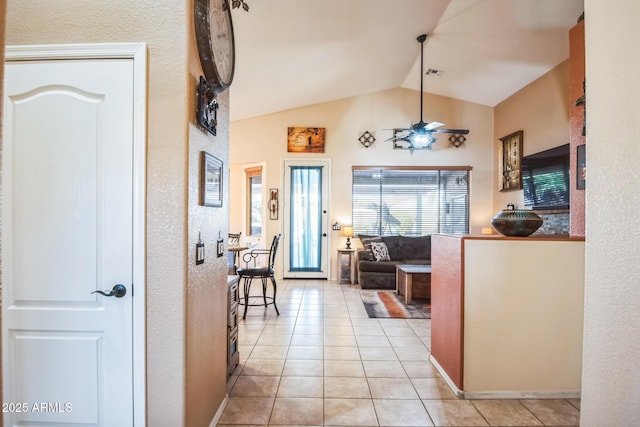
347 230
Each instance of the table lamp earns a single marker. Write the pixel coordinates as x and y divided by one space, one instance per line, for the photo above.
347 230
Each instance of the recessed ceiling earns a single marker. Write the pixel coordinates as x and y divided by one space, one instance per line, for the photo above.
291 54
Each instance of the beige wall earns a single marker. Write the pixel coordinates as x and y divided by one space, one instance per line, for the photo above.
180 366
541 110
523 332
264 139
611 389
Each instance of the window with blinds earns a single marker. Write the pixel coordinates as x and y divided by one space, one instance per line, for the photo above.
410 202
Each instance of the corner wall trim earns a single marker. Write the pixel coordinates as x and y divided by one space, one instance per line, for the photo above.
218 415
504 394
445 376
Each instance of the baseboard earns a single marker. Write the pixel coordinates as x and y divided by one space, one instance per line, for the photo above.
508 394
218 415
445 376
522 394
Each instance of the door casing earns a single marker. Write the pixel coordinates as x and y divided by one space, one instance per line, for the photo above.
326 165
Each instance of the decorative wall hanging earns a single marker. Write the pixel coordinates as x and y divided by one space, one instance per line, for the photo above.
457 140
210 180
273 203
220 247
305 140
510 162
367 139
207 107
581 175
582 102
199 251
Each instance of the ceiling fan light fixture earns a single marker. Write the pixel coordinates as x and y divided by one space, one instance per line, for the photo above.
421 140
420 135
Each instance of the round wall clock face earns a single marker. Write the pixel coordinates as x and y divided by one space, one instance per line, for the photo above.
214 37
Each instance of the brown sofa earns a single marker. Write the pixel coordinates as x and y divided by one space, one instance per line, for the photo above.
374 274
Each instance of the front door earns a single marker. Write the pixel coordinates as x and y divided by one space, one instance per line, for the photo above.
67 232
306 219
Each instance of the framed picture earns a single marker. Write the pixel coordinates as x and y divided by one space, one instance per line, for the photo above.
210 181
305 140
510 162
581 165
207 107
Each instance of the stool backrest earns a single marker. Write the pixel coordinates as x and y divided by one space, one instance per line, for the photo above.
273 250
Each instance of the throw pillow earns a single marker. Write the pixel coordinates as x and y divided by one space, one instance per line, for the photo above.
380 251
366 242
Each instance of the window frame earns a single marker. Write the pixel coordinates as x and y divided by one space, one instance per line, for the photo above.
442 221
250 173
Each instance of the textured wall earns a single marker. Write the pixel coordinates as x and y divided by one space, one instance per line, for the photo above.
576 122
611 389
206 322
162 24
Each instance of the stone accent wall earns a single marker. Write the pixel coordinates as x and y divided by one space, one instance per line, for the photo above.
555 222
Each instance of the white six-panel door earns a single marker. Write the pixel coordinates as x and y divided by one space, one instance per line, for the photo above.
67 231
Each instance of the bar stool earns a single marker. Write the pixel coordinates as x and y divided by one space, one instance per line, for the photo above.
264 273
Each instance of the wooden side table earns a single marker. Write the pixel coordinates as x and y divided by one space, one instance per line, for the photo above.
413 281
346 266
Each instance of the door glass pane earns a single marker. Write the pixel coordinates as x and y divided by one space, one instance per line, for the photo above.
306 218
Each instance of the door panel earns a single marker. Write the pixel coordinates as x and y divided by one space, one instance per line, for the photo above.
67 231
306 219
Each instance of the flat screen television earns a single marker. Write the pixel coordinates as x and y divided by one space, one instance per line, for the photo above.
545 179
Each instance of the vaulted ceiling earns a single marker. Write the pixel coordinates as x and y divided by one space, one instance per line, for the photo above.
293 53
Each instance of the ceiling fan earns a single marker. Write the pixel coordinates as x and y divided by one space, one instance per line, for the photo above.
420 135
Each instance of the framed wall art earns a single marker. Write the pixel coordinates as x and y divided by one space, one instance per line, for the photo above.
210 180
305 140
510 162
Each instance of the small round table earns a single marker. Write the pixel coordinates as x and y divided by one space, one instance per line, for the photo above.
236 249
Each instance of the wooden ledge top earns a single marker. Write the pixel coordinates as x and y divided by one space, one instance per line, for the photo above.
534 238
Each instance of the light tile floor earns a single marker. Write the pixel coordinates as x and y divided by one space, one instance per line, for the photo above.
323 362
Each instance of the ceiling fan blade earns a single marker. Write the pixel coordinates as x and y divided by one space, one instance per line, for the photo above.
398 138
433 125
456 131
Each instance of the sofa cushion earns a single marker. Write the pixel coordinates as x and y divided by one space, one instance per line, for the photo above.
380 251
393 245
378 266
413 248
419 261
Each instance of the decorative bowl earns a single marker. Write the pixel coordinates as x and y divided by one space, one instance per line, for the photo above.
516 222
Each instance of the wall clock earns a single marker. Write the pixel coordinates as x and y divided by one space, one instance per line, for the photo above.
214 38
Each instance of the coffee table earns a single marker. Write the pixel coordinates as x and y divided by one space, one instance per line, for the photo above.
413 281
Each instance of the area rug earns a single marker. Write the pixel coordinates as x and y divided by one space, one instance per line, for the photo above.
386 304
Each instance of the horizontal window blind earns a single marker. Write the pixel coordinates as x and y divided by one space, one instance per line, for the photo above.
410 202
